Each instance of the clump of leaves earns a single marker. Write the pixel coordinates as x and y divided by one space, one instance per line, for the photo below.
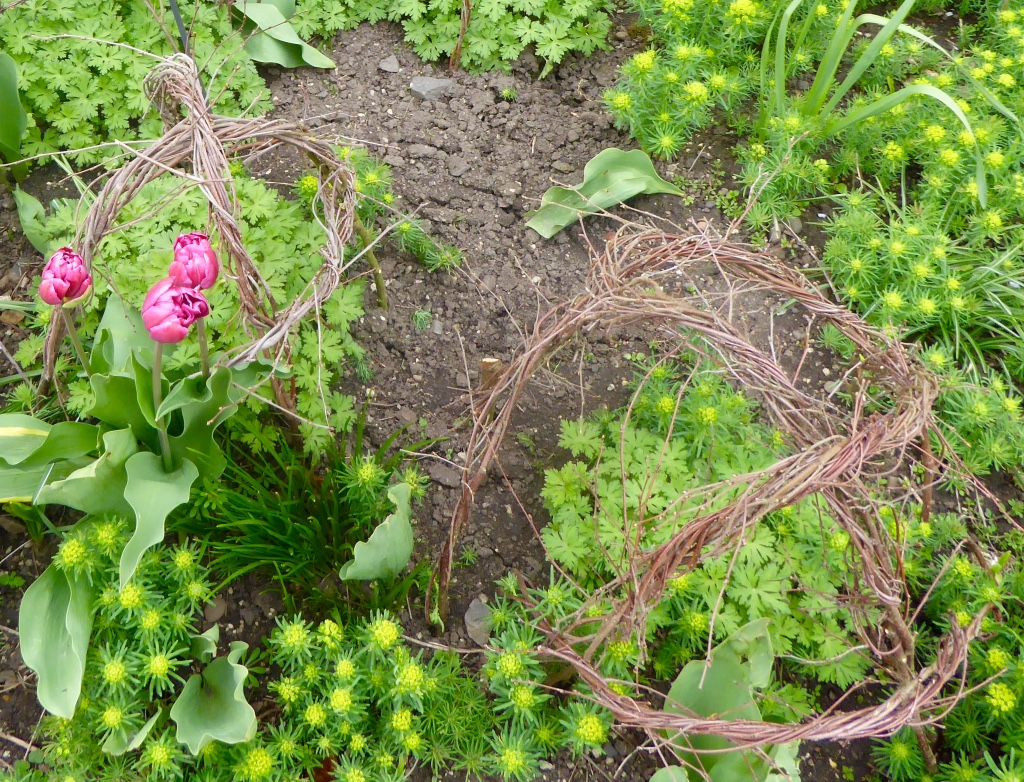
83 88
690 428
499 30
278 513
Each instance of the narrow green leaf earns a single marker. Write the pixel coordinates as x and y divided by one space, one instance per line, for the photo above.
54 625
611 177
152 494
389 548
13 119
31 216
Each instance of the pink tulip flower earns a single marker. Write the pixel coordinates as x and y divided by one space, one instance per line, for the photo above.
169 310
65 281
195 264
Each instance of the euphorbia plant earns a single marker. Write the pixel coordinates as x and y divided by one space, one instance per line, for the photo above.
152 438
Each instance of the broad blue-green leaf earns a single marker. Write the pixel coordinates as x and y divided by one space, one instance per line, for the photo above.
31 216
202 409
212 706
99 486
13 119
611 177
670 774
120 334
389 548
117 405
20 436
22 484
786 757
54 625
276 40
118 744
65 440
204 646
152 494
720 688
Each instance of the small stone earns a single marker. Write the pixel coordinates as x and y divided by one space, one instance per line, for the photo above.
12 526
543 765
436 327
389 64
429 88
457 166
563 167
445 475
796 225
478 622
420 150
216 610
11 317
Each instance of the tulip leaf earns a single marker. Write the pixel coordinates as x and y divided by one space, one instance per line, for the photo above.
212 705
117 404
32 215
99 486
152 494
119 336
277 41
203 408
54 624
21 436
389 548
65 440
13 119
22 484
611 177
119 743
204 646
670 774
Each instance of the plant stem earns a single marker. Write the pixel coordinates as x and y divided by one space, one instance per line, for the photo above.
70 324
204 347
161 425
378 278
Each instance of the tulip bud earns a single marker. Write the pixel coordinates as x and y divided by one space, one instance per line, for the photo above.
65 281
195 264
169 310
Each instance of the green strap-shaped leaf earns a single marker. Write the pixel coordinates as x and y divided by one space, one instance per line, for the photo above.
120 335
611 177
54 624
153 494
119 743
65 440
389 548
204 646
202 410
99 486
23 484
212 706
720 688
117 405
31 216
276 40
13 119
21 436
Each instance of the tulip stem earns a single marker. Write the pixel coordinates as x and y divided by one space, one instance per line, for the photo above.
204 347
161 425
76 342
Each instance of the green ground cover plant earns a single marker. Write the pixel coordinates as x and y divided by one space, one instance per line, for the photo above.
916 145
498 31
80 69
